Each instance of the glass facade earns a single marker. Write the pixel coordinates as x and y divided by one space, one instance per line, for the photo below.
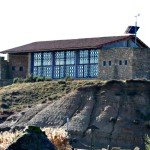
61 64
42 64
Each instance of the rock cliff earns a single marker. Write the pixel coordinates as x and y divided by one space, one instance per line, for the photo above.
120 109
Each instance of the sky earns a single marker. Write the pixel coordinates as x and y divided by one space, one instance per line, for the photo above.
26 21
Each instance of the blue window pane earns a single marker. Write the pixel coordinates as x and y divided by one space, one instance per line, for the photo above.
62 72
85 71
47 72
93 56
93 71
70 71
39 71
59 58
58 72
83 57
70 57
37 59
82 71
47 58
35 71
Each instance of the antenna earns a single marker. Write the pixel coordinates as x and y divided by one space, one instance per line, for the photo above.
136 26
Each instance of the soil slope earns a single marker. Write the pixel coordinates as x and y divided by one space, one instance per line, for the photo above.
120 109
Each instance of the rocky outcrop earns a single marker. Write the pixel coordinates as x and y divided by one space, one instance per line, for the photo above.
121 111
32 139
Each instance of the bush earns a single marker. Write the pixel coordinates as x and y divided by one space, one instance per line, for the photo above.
147 142
48 79
18 80
62 82
29 78
15 80
69 79
38 79
4 106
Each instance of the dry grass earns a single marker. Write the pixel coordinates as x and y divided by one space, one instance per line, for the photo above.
21 95
57 136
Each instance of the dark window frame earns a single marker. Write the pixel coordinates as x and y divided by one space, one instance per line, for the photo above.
21 68
125 62
13 68
120 62
104 63
109 63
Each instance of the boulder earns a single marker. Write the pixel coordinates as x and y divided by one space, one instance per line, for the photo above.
32 139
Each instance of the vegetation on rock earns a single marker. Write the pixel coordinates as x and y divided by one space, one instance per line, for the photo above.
57 136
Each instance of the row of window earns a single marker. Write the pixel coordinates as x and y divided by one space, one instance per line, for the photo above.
65 57
14 68
60 64
120 62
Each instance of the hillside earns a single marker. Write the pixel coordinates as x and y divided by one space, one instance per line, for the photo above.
120 109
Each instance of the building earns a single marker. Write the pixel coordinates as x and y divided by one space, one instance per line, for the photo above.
105 58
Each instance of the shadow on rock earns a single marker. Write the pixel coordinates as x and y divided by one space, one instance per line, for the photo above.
32 139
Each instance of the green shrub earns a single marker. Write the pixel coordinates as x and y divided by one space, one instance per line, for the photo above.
18 80
15 80
69 79
38 79
48 79
147 142
61 82
29 78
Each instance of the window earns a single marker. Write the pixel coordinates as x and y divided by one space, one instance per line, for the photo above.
67 63
37 59
64 64
93 56
47 64
13 68
125 62
83 57
93 66
70 57
83 66
104 63
20 68
70 64
87 63
120 62
109 63
42 64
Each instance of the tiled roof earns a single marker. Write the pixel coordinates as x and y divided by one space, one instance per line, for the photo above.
71 44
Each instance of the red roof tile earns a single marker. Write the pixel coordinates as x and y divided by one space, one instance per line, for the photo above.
71 44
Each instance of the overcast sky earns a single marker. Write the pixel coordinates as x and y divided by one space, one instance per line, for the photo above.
26 21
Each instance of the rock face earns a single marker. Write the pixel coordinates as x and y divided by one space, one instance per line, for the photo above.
121 111
32 139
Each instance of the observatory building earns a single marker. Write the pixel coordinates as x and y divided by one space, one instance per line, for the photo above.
105 58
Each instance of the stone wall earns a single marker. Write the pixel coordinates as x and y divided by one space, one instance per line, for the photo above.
18 65
6 82
4 72
115 63
141 63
